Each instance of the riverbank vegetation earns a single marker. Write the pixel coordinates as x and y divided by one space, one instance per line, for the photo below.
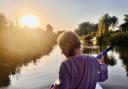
107 31
19 46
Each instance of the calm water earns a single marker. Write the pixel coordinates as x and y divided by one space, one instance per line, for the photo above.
117 75
41 74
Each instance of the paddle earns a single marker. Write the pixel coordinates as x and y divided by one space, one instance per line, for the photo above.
104 52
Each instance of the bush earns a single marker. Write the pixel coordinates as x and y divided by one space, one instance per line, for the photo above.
120 38
113 38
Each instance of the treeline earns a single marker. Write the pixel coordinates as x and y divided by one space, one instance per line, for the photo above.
107 31
119 38
87 31
23 44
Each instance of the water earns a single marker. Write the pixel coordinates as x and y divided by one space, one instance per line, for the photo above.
44 72
117 61
39 75
117 75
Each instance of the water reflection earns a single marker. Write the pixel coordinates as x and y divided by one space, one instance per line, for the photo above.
42 72
18 47
39 76
6 71
123 51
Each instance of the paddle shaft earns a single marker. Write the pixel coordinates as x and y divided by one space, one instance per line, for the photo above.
104 52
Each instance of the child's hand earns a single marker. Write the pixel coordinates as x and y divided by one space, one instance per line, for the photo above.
52 86
101 60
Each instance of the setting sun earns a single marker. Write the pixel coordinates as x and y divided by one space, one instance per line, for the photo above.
29 21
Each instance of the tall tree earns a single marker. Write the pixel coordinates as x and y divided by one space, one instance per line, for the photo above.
126 18
106 22
3 20
124 26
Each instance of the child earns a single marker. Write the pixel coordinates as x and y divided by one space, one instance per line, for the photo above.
79 71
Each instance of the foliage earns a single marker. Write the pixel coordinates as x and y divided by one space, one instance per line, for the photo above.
113 38
120 38
126 18
49 28
106 22
86 28
18 47
3 20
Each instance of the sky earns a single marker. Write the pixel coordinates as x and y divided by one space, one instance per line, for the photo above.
64 14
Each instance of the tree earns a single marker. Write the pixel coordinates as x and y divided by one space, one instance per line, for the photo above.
49 28
106 22
124 26
85 28
3 20
126 18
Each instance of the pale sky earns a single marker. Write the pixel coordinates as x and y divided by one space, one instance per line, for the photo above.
64 14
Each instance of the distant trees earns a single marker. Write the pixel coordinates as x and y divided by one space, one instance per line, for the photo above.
87 31
49 28
106 25
126 18
110 37
86 28
3 20
119 38
106 22
124 26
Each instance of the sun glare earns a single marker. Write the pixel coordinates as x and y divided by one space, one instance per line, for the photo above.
29 21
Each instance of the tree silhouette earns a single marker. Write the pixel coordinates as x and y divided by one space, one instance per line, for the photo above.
106 22
85 28
49 28
3 20
124 26
126 18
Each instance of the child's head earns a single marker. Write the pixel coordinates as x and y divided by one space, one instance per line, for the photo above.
69 42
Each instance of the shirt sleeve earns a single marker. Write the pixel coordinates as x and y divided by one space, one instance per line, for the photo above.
102 72
64 78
